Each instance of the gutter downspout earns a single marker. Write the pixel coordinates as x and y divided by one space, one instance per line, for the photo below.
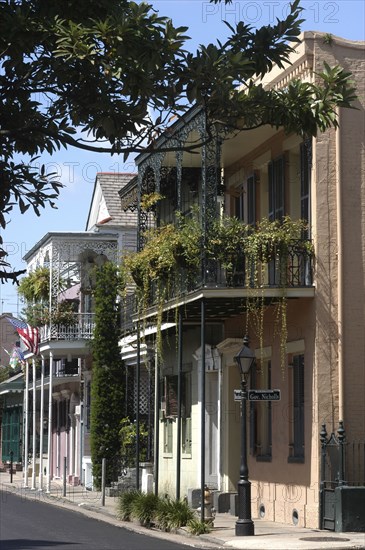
340 314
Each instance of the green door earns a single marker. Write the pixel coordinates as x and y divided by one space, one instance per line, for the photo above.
11 434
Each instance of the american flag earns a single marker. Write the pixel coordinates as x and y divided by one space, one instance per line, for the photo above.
29 335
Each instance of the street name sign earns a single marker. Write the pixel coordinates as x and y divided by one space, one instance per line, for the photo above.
264 395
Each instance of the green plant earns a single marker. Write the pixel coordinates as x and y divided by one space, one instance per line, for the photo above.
144 508
128 436
172 514
198 527
107 383
125 504
172 254
149 200
35 286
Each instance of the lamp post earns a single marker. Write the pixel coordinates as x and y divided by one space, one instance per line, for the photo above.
244 525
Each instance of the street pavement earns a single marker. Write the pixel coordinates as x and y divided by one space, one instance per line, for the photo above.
268 535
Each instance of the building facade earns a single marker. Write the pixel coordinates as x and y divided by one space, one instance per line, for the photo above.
304 312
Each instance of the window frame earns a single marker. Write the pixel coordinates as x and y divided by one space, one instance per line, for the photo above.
297 412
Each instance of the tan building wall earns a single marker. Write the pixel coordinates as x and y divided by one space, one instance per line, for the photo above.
328 328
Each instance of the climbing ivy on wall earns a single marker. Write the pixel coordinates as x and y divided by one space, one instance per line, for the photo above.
107 382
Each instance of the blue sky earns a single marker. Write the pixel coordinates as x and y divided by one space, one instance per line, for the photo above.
77 169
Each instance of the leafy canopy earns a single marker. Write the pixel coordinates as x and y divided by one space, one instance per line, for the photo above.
112 75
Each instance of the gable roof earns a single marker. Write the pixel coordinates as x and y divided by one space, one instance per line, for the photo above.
105 206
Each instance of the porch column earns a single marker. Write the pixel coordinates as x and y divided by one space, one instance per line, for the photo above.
34 446
57 397
72 443
26 423
41 415
202 410
157 423
66 447
77 443
49 458
178 437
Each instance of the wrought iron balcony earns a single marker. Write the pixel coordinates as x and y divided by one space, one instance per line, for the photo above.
80 329
292 270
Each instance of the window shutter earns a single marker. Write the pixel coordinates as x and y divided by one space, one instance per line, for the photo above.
305 179
277 189
251 200
298 404
171 396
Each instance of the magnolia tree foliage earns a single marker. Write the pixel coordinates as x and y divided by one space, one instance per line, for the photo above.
107 387
111 75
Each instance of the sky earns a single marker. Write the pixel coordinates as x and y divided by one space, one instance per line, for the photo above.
77 169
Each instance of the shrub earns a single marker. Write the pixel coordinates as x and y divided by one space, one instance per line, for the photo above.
172 514
125 504
198 527
144 508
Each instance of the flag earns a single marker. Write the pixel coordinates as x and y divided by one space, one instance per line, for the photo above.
16 357
29 335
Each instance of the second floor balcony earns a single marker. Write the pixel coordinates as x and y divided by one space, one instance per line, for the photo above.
80 327
276 271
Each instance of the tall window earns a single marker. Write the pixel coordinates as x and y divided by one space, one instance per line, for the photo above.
251 200
239 205
305 179
169 406
277 189
296 400
261 414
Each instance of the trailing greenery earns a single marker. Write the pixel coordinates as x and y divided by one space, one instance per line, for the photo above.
128 436
107 382
171 261
35 286
35 289
171 248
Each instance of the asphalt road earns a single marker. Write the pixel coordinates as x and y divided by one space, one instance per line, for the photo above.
26 524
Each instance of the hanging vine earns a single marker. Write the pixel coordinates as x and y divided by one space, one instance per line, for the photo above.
170 264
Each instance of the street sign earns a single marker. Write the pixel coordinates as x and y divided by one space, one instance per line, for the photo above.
237 395
264 395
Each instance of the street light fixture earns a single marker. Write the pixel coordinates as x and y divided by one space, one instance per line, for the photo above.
244 525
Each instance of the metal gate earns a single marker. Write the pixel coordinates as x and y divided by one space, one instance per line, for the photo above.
332 473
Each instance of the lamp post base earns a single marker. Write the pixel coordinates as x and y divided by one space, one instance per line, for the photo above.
245 528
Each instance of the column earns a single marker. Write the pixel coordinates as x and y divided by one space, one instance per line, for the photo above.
49 458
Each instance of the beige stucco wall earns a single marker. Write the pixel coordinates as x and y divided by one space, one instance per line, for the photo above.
339 230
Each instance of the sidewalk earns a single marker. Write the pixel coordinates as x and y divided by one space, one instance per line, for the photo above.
268 535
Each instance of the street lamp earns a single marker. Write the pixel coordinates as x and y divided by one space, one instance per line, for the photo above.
244 525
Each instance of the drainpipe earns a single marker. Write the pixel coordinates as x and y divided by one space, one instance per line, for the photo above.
341 382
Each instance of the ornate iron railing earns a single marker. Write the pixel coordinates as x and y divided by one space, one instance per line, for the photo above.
81 329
